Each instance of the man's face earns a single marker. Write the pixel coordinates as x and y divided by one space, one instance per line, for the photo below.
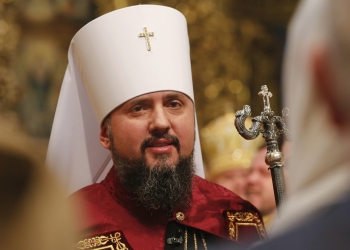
158 125
259 185
151 139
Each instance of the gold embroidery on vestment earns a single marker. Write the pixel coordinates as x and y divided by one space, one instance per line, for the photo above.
195 240
99 243
244 219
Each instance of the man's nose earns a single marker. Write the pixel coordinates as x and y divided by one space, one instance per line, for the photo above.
159 123
252 178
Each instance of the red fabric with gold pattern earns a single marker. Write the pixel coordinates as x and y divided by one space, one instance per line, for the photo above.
109 209
245 226
112 240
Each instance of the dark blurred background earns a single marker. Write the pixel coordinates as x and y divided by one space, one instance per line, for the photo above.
236 46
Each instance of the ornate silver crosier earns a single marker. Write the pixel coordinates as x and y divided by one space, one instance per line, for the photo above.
271 127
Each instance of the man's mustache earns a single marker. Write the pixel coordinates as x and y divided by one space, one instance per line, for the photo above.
175 141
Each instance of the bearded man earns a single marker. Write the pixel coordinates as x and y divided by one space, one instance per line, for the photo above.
132 67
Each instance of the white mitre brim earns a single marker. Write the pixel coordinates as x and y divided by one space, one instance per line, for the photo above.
108 64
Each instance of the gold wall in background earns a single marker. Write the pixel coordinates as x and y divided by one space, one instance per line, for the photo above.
34 40
236 46
9 39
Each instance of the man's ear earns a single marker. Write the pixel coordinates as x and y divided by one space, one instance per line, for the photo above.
323 80
104 139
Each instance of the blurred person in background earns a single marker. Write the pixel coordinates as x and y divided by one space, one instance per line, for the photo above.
228 155
259 187
317 90
233 179
34 213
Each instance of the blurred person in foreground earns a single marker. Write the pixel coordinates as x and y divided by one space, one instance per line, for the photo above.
317 90
34 213
128 87
228 155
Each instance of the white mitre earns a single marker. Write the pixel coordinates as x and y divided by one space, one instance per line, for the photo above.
109 64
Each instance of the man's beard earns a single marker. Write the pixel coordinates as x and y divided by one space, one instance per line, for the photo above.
160 186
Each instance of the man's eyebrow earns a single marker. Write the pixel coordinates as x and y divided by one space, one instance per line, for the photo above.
139 100
174 95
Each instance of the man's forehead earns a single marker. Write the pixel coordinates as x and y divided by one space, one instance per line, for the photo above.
168 94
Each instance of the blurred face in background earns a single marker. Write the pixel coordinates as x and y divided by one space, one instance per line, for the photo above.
234 180
259 189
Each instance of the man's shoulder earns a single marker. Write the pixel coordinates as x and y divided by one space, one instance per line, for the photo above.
225 213
225 200
203 185
96 187
91 202
89 194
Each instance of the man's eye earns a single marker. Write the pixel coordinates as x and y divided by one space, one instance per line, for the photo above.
137 109
175 104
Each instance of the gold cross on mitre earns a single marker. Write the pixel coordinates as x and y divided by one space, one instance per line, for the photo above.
146 35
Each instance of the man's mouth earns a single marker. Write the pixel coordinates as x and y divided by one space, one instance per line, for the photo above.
253 192
160 145
160 142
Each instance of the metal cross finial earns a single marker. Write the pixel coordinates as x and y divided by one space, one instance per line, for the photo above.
265 94
146 35
271 127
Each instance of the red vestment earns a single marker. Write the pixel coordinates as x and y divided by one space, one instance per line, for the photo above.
214 211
